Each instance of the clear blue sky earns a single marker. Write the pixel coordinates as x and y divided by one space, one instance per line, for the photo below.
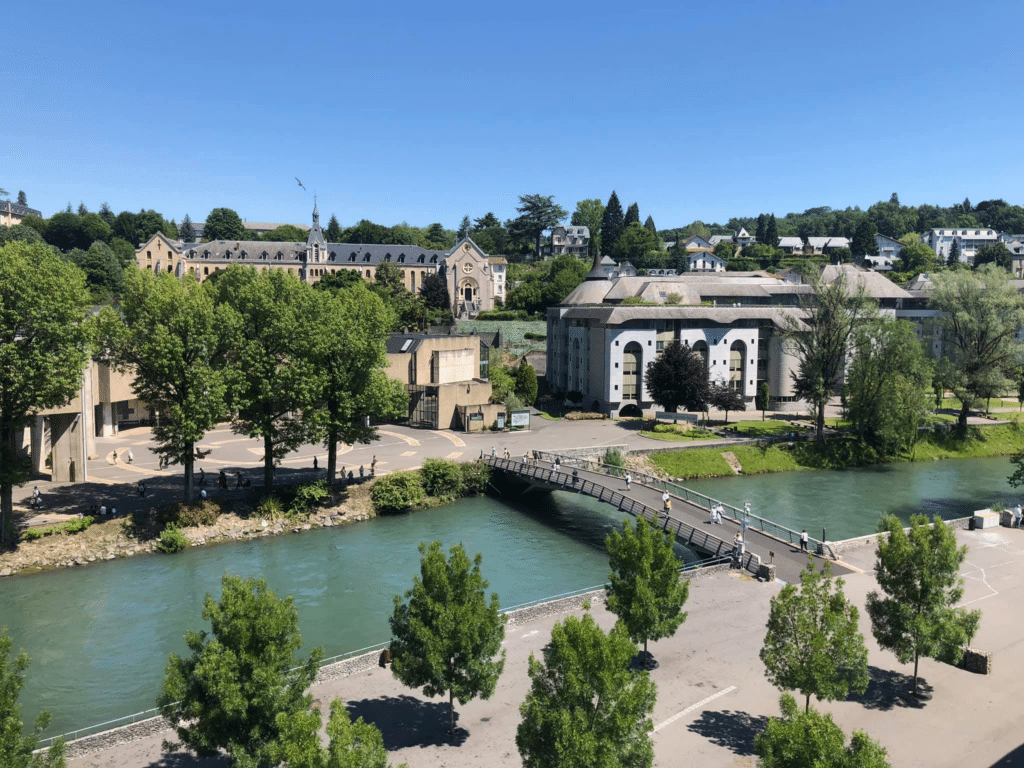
425 112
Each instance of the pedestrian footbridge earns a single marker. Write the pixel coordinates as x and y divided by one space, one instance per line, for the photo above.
766 542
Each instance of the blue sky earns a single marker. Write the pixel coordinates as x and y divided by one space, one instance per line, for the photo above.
425 112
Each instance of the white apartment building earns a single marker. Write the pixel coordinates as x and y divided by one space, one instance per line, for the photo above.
970 239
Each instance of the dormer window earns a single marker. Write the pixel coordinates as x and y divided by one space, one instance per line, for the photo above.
387 257
242 255
366 257
278 256
401 258
352 257
422 257
263 256
333 256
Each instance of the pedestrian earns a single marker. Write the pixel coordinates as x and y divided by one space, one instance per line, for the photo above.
508 453
202 476
492 452
37 498
315 465
131 456
1017 514
202 494
362 472
350 478
719 509
803 540
575 475
343 473
142 489
115 455
629 479
668 504
238 480
373 466
526 459
103 510
222 480
739 544
558 464
113 511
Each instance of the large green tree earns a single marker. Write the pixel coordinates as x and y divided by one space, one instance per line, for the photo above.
888 386
186 231
17 750
44 344
242 680
995 253
173 340
644 589
349 355
445 635
538 213
822 336
351 745
273 378
224 224
863 242
915 257
635 244
726 398
981 314
612 223
586 707
678 378
804 739
590 213
919 576
812 644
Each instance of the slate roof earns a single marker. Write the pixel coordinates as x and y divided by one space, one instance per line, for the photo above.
791 242
351 254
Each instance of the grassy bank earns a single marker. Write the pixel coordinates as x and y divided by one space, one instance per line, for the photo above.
837 453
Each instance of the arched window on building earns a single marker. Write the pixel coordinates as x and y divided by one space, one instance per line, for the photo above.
701 348
632 366
737 365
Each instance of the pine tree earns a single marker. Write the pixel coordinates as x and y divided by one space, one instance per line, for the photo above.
22 197
632 215
954 253
771 232
186 231
107 214
464 228
333 232
611 223
762 222
82 210
649 225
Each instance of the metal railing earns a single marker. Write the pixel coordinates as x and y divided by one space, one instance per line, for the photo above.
736 515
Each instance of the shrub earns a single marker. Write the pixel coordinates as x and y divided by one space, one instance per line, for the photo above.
442 478
71 526
584 416
398 492
475 476
309 496
506 314
535 336
270 508
172 540
195 514
526 383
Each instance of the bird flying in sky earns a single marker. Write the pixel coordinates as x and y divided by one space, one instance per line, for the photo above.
300 183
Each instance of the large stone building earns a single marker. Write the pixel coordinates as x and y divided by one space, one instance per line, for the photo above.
13 213
474 279
607 331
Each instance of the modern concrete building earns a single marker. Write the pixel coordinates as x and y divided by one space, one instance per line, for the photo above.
970 239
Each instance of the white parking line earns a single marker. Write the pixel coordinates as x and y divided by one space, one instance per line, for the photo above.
692 707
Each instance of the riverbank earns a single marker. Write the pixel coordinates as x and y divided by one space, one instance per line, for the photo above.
110 539
839 452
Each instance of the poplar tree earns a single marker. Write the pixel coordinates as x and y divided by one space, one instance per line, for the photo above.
445 636
186 231
759 233
919 575
649 225
812 644
644 589
954 254
611 224
632 215
771 232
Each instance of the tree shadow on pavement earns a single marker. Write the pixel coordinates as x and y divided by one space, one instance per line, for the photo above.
405 721
733 730
1010 759
188 760
888 688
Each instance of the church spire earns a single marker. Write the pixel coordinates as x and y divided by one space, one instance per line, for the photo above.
316 213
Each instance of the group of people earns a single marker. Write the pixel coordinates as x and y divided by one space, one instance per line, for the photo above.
716 512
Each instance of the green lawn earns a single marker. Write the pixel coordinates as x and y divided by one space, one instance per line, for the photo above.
760 428
700 462
755 460
951 403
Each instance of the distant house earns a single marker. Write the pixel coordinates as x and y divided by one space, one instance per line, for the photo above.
819 245
888 248
706 261
791 245
12 213
697 243
969 239
574 240
716 239
744 238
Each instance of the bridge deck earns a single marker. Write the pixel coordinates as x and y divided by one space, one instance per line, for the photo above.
689 521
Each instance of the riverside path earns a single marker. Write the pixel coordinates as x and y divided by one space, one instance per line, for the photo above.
689 520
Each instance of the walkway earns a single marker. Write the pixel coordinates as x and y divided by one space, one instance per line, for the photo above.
688 520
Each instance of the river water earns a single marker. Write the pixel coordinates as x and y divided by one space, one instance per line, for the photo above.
99 636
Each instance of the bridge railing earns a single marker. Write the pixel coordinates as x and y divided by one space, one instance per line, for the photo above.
770 527
683 531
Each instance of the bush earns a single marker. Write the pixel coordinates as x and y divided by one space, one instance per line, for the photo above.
195 514
308 496
526 383
505 314
172 540
398 492
475 476
584 416
535 336
442 478
71 526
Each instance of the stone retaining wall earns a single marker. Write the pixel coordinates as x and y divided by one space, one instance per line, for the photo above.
872 539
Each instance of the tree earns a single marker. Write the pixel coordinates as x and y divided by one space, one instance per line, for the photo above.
771 232
725 398
334 281
21 232
981 315
539 212
108 215
333 232
590 213
611 223
286 233
650 227
172 338
678 378
919 575
464 227
22 197
224 224
996 253
434 291
348 353
812 644
274 384
16 751
64 231
725 250
801 739
954 253
760 233
634 244
186 231
438 238
103 270
242 680
352 745
888 386
821 339
863 242
44 343
763 398
526 383
586 707
445 636
632 215
644 589
916 257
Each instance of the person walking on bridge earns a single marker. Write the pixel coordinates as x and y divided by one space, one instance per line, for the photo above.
629 479
667 501
803 540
